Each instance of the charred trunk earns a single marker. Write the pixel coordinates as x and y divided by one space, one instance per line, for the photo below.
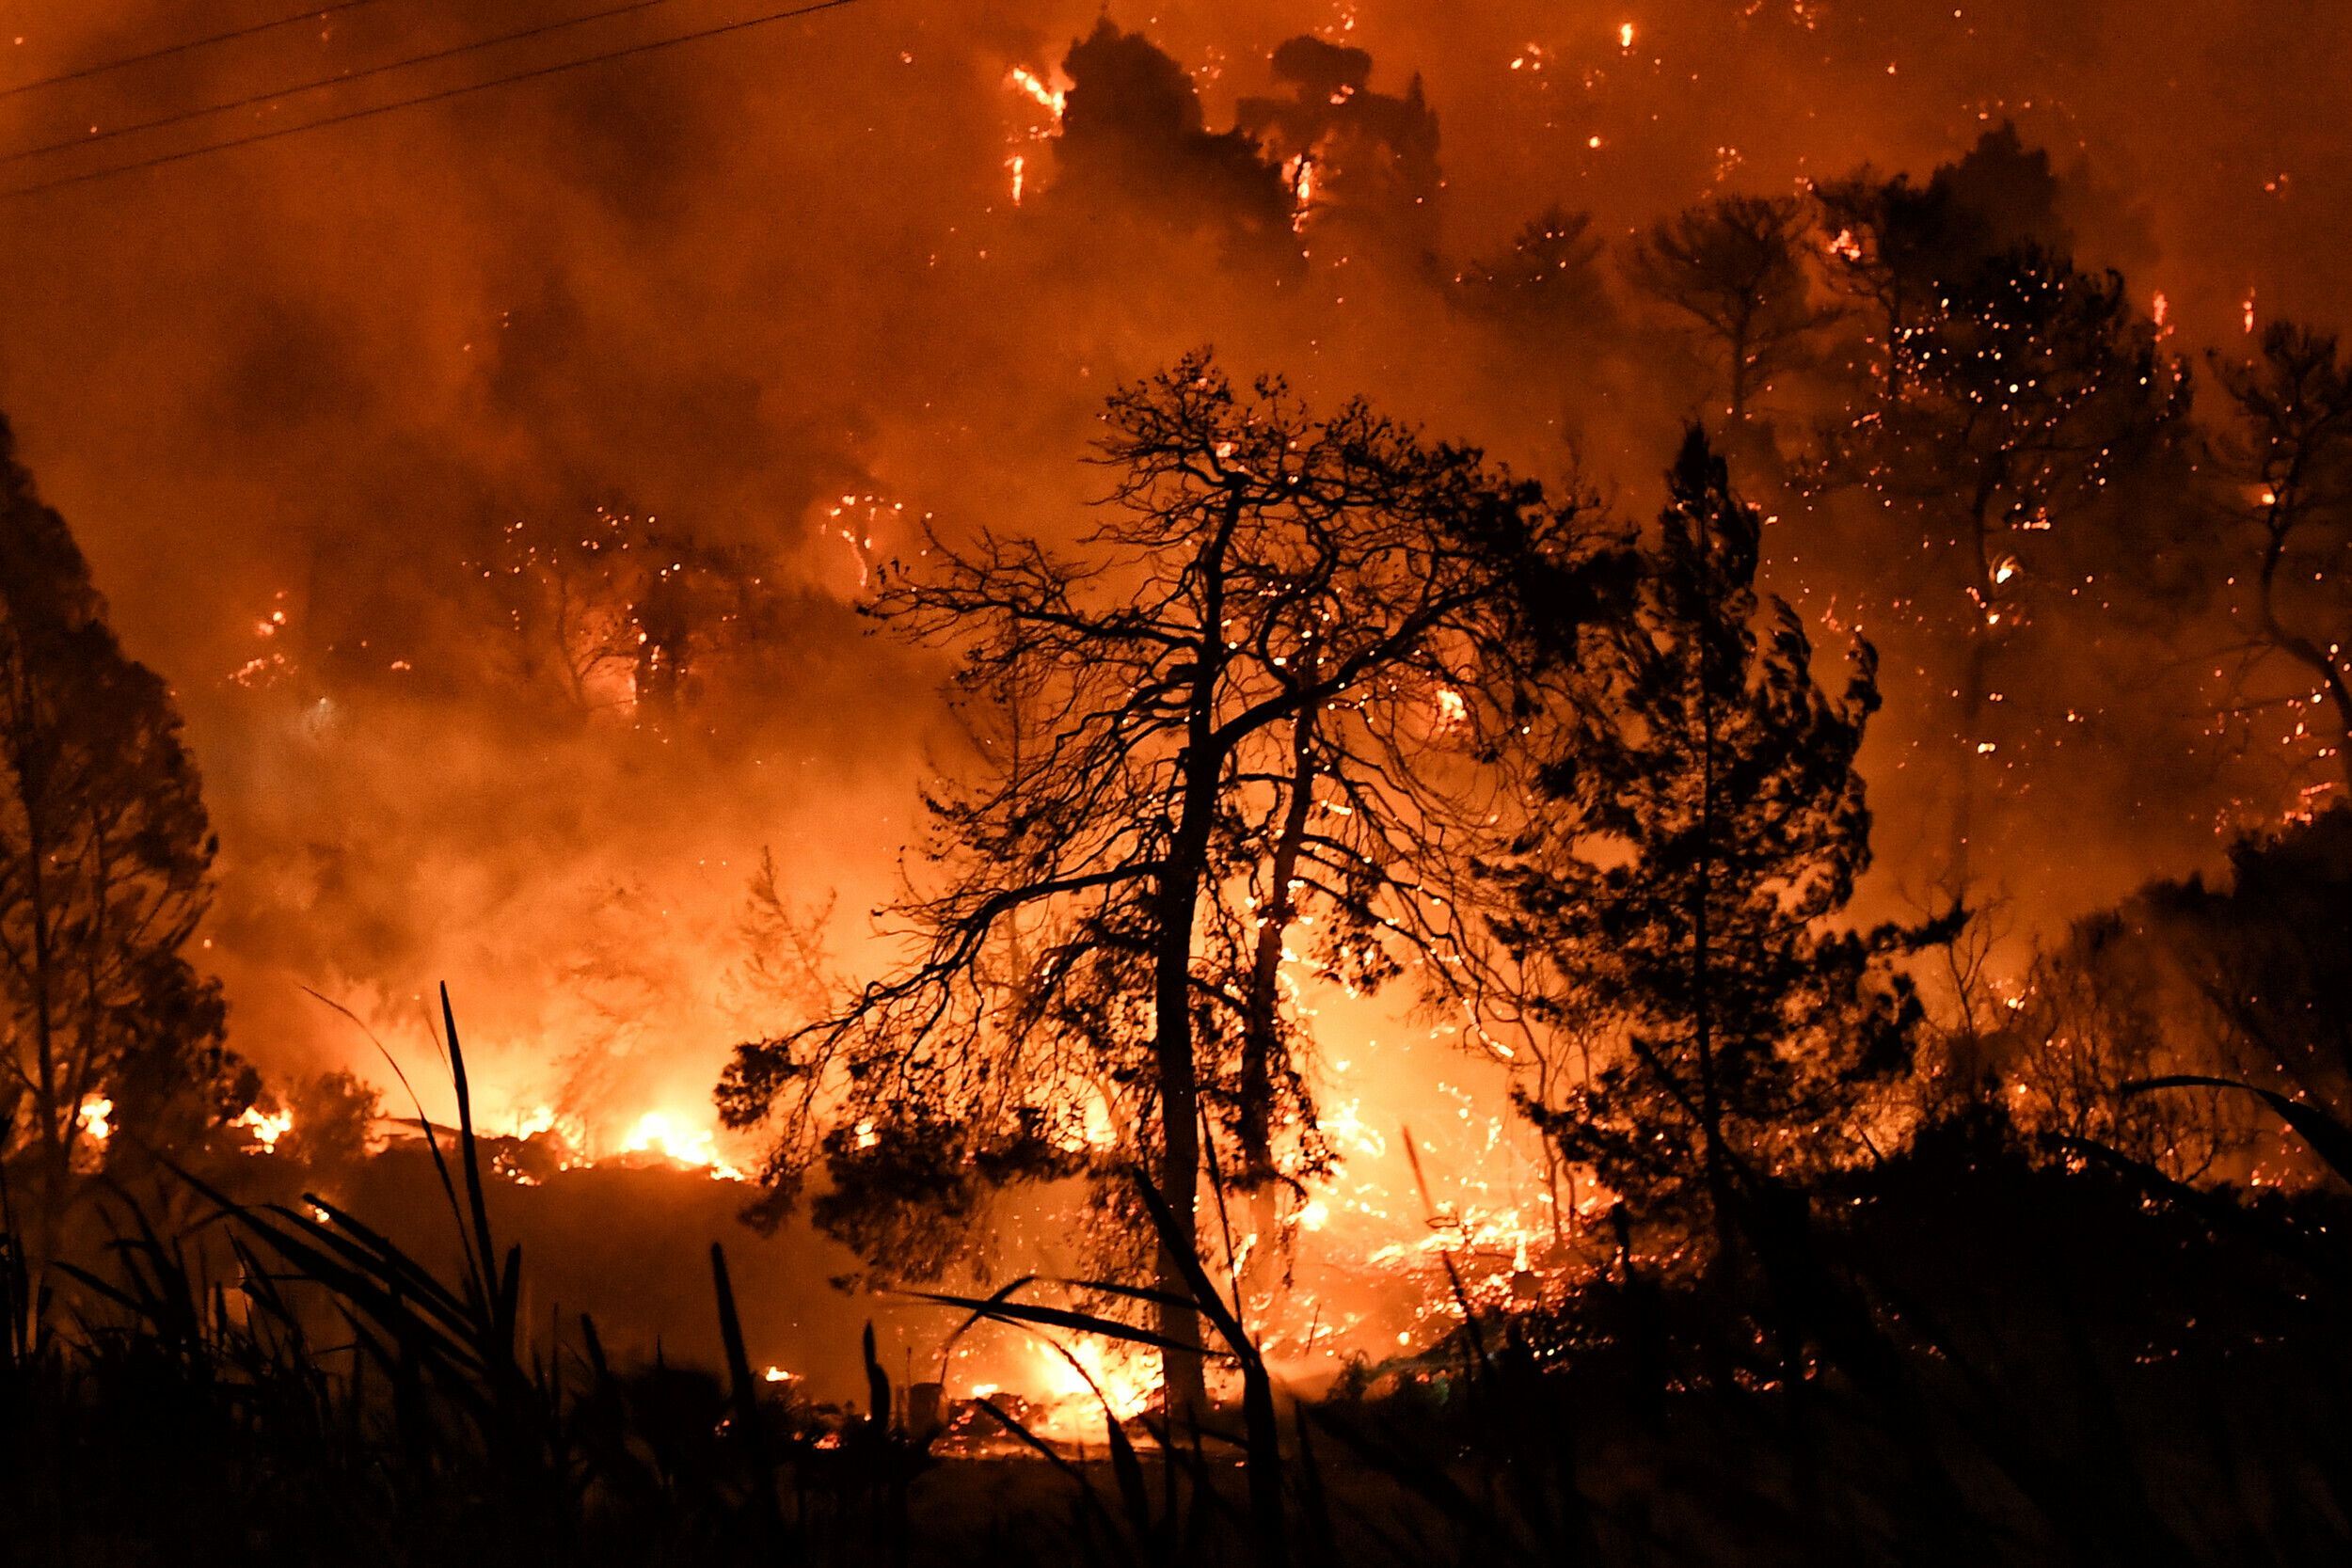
1261 1042
1179 1177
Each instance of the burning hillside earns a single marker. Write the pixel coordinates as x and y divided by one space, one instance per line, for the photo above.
1105 722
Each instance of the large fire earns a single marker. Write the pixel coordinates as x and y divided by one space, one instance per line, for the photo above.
265 1127
674 1138
548 769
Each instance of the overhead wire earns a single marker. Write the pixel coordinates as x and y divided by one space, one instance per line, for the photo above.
316 13
440 95
541 30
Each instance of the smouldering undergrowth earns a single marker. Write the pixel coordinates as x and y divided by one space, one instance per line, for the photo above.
1971 1352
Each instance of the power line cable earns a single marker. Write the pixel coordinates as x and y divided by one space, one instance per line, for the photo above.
274 95
430 97
315 13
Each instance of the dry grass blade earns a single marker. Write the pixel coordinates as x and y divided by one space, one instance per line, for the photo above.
2330 1139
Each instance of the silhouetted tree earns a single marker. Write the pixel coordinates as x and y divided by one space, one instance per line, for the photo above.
568 592
334 1116
1361 159
2268 955
1134 137
2291 456
1892 246
2100 1011
618 612
104 859
1547 286
1260 688
1733 266
1666 905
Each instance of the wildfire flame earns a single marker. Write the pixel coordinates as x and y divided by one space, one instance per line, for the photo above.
656 1133
1047 98
266 1128
1124 1379
1300 172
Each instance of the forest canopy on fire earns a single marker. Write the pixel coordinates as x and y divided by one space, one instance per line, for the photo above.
1334 734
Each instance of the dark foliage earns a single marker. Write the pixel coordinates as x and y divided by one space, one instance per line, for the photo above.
1734 268
1667 918
105 854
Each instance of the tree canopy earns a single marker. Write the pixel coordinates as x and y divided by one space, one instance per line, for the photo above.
1732 265
1255 695
105 854
1669 910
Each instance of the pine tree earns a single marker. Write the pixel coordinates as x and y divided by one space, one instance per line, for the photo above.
2030 397
1669 915
1732 265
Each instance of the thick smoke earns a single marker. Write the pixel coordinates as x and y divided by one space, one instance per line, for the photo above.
371 433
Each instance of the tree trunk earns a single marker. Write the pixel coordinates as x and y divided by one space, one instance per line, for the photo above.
1976 695
1737 343
53 1150
1183 1372
1259 1042
1702 1015
2303 650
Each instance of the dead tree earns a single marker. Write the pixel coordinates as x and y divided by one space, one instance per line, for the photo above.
2291 455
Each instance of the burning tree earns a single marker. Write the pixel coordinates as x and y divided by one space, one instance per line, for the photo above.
1255 699
1666 907
1894 246
2291 454
104 859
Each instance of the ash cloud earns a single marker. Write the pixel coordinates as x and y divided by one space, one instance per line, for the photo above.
772 297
